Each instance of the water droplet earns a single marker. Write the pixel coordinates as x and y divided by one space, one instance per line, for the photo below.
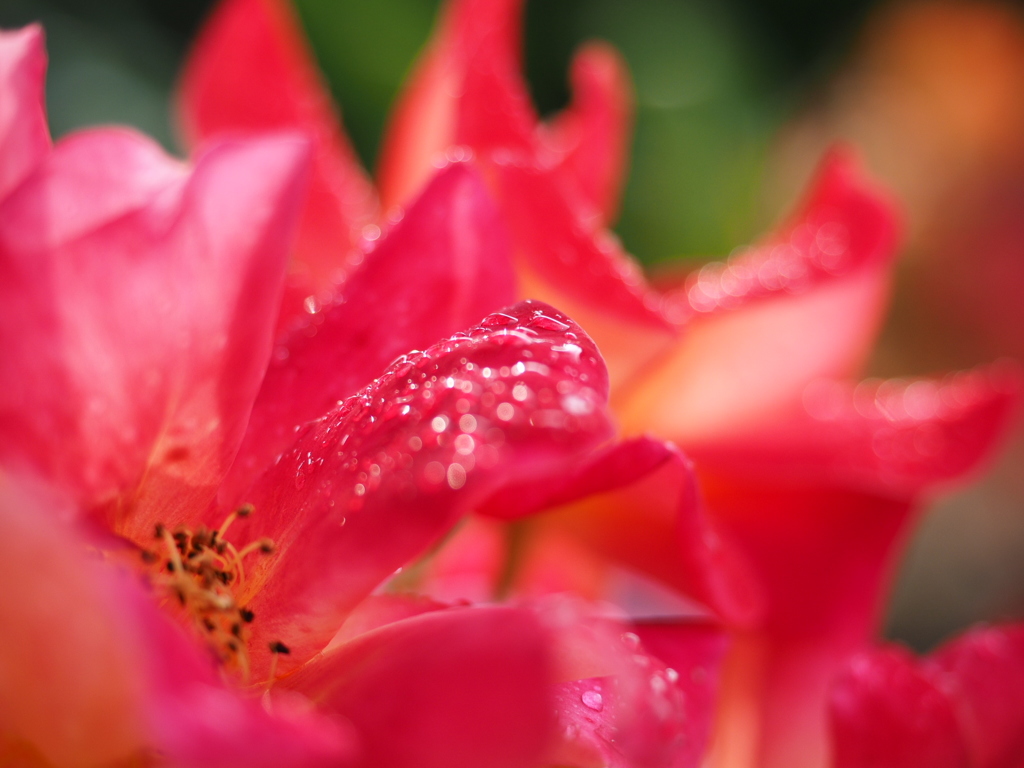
593 700
545 323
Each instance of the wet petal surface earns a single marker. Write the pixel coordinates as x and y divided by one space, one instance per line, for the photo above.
442 268
382 476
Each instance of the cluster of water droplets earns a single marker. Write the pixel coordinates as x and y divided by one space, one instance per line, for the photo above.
437 416
811 253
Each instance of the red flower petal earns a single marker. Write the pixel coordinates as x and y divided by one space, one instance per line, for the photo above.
197 721
441 269
251 70
573 254
962 705
568 260
695 651
803 306
898 437
823 557
138 304
982 673
887 714
467 89
24 135
646 711
637 503
461 688
381 477
593 133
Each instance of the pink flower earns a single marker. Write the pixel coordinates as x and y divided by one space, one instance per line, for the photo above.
745 365
962 705
166 445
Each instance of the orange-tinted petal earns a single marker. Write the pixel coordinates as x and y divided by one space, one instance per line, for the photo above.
92 674
637 502
804 305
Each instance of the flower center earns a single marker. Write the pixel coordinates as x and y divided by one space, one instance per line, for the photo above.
203 571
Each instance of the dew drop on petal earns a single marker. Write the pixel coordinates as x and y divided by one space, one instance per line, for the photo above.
593 700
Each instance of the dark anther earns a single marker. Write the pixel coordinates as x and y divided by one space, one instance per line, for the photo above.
245 510
278 647
236 629
247 615
159 531
148 557
232 645
181 596
170 566
266 546
208 624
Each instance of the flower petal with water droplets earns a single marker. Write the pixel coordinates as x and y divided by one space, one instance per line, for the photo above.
385 474
439 270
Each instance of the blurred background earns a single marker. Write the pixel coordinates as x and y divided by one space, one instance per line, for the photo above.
736 101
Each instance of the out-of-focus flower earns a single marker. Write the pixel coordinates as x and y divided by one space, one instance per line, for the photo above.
743 364
153 423
931 94
962 705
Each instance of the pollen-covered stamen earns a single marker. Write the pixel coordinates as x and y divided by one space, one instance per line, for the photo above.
203 571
